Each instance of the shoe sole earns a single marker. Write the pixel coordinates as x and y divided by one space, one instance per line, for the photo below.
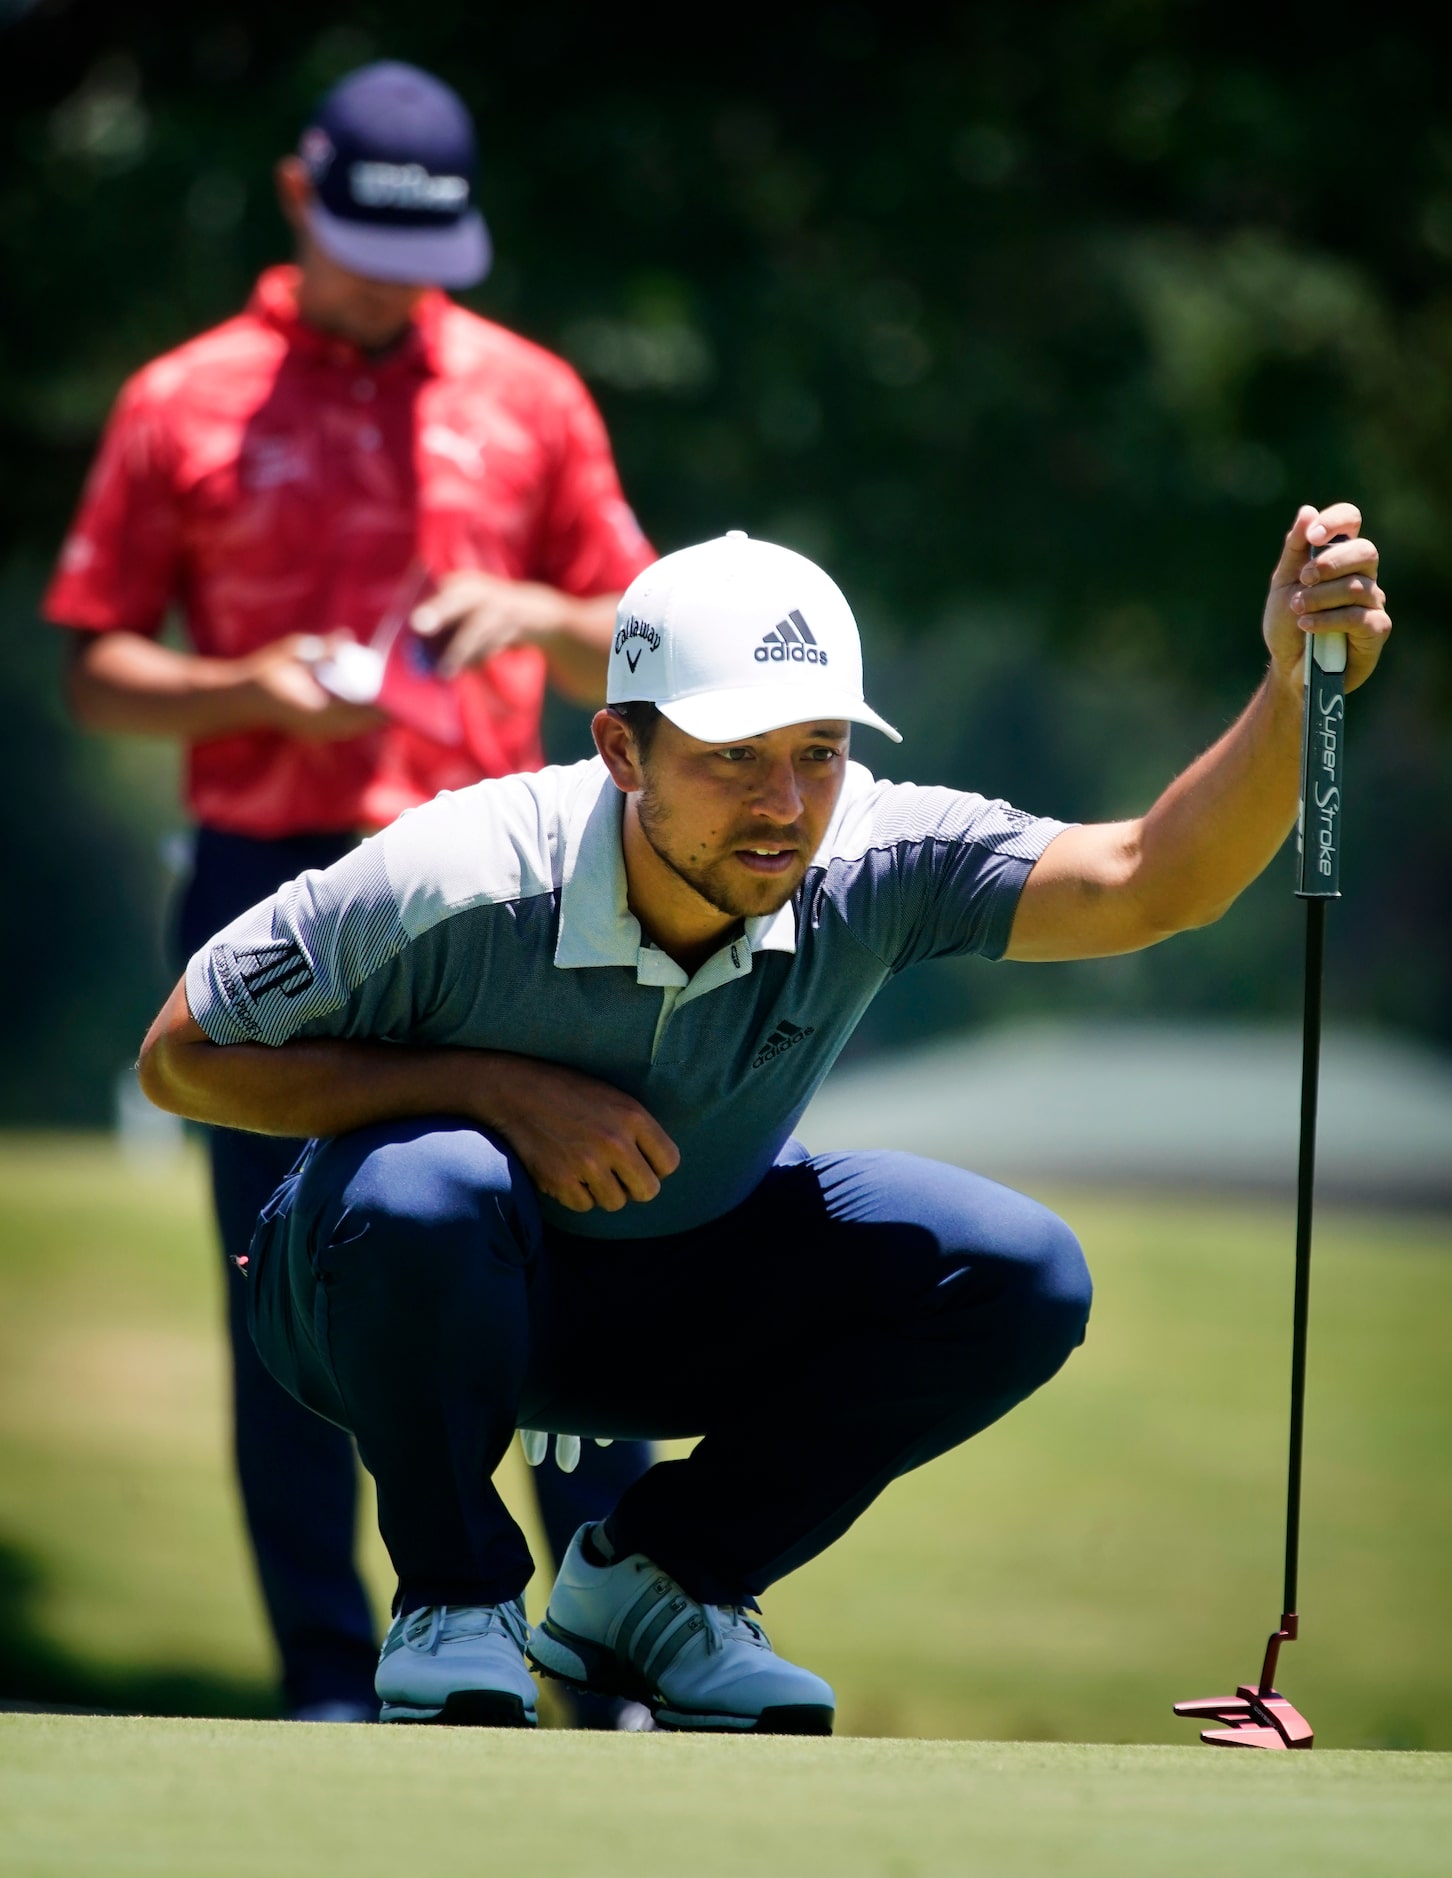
467 1708
594 1670
789 1719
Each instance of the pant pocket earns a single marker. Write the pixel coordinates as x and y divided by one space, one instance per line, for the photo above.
287 1320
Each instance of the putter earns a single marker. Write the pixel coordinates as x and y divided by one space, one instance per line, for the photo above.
1258 1715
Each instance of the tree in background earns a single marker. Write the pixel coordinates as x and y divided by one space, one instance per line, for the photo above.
1001 316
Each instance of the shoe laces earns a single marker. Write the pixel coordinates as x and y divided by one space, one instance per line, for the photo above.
732 1623
425 1629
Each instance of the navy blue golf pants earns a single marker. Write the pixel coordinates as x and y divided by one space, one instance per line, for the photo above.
297 1474
856 1316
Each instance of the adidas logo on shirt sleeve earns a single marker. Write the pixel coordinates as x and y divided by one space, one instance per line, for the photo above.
790 640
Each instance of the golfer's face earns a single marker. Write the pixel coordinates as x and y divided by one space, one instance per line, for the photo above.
740 821
372 313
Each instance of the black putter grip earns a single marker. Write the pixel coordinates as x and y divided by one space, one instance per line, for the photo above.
1323 727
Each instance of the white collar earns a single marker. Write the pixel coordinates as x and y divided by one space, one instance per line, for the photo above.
597 926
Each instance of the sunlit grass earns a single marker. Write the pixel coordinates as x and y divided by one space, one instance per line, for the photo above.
1112 1546
174 1799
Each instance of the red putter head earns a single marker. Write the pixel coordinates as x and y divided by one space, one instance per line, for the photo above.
1257 1715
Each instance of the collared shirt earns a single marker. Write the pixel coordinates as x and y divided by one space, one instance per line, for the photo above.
496 918
270 479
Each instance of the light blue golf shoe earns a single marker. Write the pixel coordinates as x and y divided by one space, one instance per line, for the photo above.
628 1629
458 1664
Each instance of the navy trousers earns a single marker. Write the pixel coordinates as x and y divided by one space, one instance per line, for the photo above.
296 1472
856 1316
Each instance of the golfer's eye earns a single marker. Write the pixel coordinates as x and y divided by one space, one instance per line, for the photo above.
739 753
822 753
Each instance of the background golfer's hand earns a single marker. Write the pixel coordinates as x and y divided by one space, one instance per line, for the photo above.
480 614
582 1142
1336 589
289 697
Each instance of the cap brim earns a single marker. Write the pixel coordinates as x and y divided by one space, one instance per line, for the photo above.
456 256
752 710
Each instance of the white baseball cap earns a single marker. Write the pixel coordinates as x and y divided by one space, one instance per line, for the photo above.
736 637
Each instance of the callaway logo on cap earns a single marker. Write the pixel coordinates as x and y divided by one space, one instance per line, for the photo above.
390 151
736 637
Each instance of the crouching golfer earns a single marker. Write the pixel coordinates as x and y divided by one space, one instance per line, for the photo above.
550 1035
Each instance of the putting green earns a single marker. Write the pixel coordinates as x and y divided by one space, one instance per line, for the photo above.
217 1798
1112 1546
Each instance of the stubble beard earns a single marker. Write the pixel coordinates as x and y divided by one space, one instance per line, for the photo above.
711 881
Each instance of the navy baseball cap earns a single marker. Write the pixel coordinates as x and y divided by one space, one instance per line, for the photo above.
391 154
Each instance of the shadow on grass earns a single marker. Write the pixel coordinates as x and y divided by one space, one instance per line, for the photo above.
35 1672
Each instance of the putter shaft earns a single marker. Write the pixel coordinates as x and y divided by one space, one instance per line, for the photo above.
1305 1202
1318 879
1257 1715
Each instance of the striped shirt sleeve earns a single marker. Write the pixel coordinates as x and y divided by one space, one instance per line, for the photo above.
923 873
298 960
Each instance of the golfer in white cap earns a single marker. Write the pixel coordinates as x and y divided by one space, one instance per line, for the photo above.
551 1035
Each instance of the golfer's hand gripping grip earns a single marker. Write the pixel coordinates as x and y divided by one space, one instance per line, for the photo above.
1323 727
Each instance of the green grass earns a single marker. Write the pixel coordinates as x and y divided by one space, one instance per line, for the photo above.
1112 1546
222 1798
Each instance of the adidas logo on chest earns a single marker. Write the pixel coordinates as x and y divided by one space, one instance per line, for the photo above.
790 641
784 1037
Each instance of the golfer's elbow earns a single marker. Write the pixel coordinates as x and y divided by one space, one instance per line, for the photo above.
84 699
169 1059
1132 901
1165 915
156 1071
1208 912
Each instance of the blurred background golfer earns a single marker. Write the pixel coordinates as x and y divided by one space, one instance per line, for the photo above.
285 481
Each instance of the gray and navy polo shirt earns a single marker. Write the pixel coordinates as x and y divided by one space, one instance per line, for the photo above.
495 918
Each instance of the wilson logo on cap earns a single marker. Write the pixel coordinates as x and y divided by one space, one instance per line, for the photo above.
790 639
406 186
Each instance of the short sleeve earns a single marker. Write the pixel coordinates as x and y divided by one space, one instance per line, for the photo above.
589 541
921 873
119 567
313 959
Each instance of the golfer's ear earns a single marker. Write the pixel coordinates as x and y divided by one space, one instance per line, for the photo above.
616 744
294 188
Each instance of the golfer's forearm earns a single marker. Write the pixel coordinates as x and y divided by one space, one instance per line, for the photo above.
1224 819
1114 887
316 1087
124 682
579 648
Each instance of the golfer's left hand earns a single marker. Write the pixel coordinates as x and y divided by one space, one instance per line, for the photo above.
1334 590
480 614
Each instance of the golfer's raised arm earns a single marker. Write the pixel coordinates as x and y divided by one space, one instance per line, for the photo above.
1116 887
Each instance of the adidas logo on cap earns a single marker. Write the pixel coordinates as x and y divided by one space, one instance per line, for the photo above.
716 666
790 640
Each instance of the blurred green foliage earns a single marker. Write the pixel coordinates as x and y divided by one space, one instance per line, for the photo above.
1034 323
